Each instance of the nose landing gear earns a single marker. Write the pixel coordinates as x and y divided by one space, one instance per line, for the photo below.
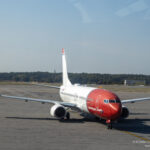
109 124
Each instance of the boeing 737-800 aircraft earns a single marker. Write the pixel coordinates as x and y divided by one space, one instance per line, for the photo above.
100 103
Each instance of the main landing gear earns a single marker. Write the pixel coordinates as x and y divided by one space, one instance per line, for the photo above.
109 124
67 115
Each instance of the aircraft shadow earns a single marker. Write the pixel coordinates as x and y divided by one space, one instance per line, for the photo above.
139 113
130 125
31 118
133 125
72 120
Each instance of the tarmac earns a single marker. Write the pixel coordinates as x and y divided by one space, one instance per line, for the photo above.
29 126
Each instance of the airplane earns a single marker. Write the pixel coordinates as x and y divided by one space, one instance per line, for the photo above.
100 103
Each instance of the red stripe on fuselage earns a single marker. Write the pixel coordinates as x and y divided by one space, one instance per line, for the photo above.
97 106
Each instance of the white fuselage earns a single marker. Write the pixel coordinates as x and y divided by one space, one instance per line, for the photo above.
77 95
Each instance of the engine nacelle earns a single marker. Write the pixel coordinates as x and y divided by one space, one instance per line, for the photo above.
125 112
58 111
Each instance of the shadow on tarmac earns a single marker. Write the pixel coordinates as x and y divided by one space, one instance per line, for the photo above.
130 125
133 125
72 120
139 113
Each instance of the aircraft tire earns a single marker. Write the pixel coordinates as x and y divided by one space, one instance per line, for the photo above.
68 116
109 126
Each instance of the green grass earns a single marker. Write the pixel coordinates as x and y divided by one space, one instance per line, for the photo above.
13 83
26 83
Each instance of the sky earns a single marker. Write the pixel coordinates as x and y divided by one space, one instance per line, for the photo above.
99 36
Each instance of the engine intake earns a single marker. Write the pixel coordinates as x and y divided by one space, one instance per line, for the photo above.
58 111
125 112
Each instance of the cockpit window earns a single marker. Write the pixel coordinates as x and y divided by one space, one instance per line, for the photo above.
117 101
106 101
111 101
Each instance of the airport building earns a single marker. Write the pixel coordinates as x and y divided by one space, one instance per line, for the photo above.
134 82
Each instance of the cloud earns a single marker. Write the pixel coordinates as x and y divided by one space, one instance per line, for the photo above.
138 6
84 14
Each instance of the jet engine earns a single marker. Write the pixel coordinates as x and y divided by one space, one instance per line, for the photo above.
58 111
125 112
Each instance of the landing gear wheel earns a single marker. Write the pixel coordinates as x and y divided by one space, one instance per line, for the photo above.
68 116
61 119
109 126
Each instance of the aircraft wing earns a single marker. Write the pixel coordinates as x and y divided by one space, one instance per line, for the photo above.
135 100
43 101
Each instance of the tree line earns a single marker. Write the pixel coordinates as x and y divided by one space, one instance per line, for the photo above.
82 78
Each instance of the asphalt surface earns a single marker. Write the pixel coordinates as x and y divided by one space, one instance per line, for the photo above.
29 126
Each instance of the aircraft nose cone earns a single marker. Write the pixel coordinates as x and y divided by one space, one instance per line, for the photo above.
115 110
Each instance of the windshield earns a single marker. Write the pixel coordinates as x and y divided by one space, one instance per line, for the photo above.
111 101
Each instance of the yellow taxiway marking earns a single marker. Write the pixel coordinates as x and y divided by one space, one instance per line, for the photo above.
141 138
